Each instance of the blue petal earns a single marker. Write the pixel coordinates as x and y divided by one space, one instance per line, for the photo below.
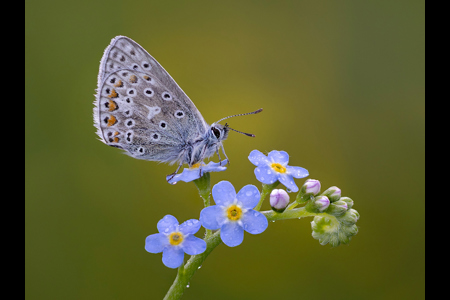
187 175
223 193
173 257
167 224
254 222
212 217
280 157
190 227
215 167
232 234
248 196
156 243
258 158
297 172
288 181
266 174
192 245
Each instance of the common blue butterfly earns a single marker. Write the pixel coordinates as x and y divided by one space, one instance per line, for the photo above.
139 108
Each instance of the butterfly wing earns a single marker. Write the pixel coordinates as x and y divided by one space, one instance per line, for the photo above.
140 108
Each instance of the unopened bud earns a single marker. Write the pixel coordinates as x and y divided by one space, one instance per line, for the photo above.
310 188
320 204
350 217
348 201
279 199
337 208
333 193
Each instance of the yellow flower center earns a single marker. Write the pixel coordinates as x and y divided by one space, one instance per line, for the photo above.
195 166
278 168
234 212
175 238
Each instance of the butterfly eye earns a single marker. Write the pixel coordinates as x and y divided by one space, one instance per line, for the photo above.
216 132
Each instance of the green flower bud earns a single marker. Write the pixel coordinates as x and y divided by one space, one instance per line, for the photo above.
337 208
332 232
348 201
333 193
350 217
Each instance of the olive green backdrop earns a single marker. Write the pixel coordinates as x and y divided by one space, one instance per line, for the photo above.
342 85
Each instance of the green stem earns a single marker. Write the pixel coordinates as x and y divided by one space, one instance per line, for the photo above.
266 189
203 185
186 272
296 213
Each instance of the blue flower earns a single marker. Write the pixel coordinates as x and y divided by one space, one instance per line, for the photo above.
197 171
233 213
275 167
174 240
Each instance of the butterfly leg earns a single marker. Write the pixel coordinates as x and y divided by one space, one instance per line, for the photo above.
170 176
223 150
200 171
218 155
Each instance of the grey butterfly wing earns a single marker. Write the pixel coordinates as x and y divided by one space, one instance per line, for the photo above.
140 108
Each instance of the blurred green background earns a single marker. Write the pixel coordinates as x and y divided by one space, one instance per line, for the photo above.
342 84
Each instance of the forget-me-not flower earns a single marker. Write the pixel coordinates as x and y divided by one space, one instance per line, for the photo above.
233 213
197 171
275 167
174 240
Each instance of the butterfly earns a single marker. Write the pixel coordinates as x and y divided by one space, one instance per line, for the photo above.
139 108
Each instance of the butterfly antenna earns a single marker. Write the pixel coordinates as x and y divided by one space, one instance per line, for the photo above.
250 113
247 134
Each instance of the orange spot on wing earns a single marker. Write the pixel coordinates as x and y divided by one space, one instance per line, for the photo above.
116 140
111 121
119 84
113 94
112 105
133 79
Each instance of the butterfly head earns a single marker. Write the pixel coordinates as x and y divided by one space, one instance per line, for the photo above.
219 132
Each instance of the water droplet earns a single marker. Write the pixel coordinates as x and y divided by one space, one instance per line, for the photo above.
187 286
249 193
268 172
199 267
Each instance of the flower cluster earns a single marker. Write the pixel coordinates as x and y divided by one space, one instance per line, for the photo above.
236 213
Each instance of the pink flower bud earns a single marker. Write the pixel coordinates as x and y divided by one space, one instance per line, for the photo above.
279 199
312 186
